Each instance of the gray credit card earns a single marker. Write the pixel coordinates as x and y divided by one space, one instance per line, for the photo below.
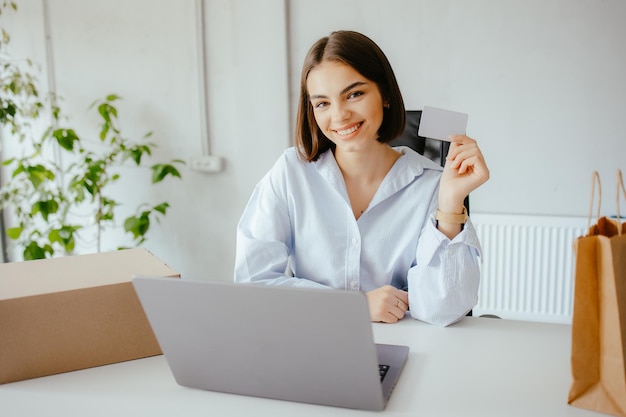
439 124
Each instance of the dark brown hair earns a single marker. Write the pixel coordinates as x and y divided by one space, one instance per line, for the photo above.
362 54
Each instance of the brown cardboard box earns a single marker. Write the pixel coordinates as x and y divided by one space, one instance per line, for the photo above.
75 312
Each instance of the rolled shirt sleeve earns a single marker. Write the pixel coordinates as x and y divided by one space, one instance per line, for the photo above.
443 285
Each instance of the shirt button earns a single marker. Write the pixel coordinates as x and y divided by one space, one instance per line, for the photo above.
355 240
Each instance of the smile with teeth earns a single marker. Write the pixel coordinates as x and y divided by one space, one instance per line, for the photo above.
346 132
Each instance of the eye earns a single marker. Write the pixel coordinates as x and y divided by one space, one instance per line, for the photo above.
355 94
320 104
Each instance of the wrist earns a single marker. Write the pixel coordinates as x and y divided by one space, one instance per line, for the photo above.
451 203
455 217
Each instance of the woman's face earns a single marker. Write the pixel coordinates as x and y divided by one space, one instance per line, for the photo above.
348 107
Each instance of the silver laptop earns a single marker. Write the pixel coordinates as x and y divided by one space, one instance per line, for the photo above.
311 346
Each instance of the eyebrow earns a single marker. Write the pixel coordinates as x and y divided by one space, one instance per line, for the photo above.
345 90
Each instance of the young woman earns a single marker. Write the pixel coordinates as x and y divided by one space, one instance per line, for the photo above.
342 209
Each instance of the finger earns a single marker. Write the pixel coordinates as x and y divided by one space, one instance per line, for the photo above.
465 154
458 162
397 313
467 165
399 308
474 166
460 152
398 304
402 304
460 138
453 150
403 296
388 317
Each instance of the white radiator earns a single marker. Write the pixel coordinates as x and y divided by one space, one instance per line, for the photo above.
527 267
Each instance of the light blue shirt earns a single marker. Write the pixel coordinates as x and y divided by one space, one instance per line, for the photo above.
298 229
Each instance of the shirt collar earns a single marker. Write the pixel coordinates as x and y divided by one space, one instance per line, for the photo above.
407 168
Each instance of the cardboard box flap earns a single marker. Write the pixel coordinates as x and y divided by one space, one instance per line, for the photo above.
24 279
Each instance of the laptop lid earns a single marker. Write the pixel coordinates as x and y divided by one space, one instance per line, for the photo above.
304 345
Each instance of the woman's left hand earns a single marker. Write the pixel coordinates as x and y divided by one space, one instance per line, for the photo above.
387 304
464 171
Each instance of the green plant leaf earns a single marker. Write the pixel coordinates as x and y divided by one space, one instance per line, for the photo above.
64 236
103 109
66 138
37 174
105 130
33 251
106 111
137 153
14 233
7 111
45 208
160 171
162 208
138 225
20 168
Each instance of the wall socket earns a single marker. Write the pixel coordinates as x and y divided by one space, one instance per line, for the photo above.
207 163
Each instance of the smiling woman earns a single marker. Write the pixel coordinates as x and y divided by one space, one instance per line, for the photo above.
342 209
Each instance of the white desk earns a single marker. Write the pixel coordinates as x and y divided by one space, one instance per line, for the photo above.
478 367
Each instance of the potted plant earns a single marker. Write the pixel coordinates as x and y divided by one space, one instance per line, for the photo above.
56 183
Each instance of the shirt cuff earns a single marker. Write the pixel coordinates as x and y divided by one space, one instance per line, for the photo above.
432 240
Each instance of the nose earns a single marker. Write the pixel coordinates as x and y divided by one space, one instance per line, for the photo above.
340 112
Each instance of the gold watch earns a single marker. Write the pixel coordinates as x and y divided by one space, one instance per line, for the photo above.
451 218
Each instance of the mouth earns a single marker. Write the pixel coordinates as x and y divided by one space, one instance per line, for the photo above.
350 130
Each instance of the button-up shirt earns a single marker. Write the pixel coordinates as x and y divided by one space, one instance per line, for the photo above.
298 229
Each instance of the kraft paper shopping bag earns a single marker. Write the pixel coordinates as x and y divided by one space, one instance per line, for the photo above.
599 320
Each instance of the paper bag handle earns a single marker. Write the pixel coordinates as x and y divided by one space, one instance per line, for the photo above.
595 178
620 185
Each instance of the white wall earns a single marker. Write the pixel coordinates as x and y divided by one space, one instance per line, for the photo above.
542 82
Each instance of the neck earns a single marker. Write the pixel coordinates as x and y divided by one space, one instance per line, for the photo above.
368 166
